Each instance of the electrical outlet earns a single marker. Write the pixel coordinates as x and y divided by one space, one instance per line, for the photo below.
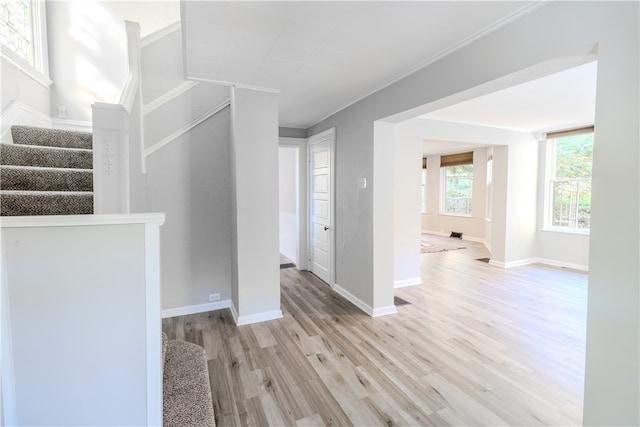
214 297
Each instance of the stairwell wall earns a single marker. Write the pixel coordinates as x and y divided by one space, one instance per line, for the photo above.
189 179
87 49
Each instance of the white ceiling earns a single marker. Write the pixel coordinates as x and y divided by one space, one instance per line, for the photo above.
556 102
322 56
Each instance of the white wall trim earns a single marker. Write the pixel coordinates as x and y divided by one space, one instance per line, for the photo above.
233 84
82 220
512 264
259 317
407 282
74 125
289 255
561 264
157 35
18 113
28 69
153 325
167 96
544 261
195 122
234 312
384 311
353 299
195 309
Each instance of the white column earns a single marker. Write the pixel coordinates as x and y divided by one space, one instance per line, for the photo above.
255 208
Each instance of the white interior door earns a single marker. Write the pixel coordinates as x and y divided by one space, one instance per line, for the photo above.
321 233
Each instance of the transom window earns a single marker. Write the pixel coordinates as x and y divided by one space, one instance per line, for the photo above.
457 183
570 162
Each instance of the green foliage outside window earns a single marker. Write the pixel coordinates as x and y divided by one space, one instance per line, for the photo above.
571 184
458 189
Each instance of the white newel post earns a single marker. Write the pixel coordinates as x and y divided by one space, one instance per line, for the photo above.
110 159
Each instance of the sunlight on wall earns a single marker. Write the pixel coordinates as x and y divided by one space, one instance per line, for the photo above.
100 37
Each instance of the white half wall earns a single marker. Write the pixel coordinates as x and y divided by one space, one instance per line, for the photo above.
96 277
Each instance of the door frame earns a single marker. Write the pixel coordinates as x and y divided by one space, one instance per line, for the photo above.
302 252
329 136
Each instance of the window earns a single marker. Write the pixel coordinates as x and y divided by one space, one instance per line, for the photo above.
489 188
15 32
569 169
423 191
457 183
23 34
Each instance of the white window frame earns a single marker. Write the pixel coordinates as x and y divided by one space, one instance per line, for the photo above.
443 193
550 178
425 201
39 70
489 186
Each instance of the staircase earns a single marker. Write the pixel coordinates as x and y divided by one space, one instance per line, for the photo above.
46 172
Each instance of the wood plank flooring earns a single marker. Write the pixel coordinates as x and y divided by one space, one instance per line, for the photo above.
477 345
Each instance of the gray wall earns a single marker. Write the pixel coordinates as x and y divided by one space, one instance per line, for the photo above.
189 179
554 36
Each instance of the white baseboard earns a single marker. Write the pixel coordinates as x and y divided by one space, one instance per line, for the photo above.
407 282
561 264
75 125
18 113
289 255
512 264
384 311
254 318
353 299
549 262
259 317
194 309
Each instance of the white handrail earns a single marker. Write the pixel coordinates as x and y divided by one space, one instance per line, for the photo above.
195 122
133 79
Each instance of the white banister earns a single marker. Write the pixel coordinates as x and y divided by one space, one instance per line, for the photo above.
133 79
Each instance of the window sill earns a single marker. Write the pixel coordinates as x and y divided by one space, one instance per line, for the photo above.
574 231
455 215
9 56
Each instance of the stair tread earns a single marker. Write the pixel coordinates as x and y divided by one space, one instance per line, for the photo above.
39 192
38 136
45 168
31 155
49 148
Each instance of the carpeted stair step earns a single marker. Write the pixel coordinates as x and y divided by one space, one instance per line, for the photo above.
20 203
28 178
51 137
53 157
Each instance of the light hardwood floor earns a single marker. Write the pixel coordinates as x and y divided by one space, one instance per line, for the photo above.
477 345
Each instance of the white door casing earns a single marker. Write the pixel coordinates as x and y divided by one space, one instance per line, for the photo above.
321 206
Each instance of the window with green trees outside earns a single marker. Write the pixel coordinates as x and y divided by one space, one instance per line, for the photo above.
570 181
